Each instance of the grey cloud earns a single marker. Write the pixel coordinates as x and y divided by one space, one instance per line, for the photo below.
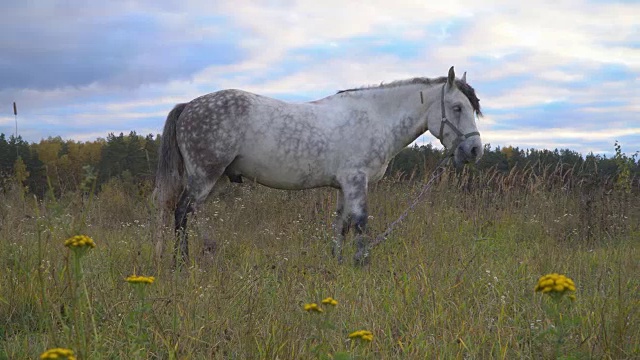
51 46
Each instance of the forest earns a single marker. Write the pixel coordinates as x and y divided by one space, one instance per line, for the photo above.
57 166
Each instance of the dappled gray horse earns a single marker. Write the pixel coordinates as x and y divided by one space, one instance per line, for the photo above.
345 141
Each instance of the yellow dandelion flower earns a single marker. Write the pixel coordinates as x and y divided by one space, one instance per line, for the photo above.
547 282
312 307
79 241
555 285
330 301
58 353
135 279
365 335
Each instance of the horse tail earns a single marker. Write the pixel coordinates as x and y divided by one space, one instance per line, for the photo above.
169 176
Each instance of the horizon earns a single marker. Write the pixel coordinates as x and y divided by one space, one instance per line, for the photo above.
492 147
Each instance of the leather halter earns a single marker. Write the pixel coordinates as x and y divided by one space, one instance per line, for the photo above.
461 137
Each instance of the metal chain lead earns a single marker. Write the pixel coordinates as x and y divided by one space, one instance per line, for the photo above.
436 174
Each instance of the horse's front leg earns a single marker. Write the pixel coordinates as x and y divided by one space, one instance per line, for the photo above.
362 244
340 227
354 187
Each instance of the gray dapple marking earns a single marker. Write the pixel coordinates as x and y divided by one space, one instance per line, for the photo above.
345 141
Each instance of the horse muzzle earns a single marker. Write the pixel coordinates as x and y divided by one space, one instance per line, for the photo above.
469 150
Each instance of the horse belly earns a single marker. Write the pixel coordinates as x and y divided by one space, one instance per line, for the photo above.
279 173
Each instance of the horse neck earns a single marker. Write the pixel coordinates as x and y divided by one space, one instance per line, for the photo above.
403 111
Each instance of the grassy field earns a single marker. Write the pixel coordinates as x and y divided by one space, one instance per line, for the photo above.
455 281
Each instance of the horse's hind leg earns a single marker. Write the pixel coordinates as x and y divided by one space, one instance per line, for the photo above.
207 233
196 193
159 231
184 207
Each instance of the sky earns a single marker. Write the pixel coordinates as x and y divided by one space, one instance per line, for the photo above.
549 74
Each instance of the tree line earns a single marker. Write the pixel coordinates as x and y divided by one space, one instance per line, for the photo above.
57 166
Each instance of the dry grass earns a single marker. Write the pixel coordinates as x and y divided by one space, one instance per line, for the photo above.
454 281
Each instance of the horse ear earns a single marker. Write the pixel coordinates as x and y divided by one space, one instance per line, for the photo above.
464 77
451 83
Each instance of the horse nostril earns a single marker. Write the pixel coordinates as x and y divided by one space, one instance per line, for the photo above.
474 151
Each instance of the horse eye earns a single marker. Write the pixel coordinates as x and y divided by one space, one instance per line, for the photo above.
457 108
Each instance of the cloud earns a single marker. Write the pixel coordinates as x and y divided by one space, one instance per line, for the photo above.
124 64
124 49
5 120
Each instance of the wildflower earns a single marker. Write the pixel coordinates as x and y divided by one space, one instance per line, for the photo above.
79 241
135 279
330 301
556 285
312 307
365 335
58 353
